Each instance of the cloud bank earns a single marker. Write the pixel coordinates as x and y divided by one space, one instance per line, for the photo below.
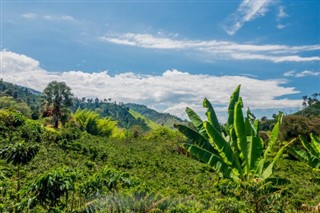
214 49
304 73
170 92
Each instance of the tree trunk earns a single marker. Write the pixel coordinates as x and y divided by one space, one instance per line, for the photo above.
56 120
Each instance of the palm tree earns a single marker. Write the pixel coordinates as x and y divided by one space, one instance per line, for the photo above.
56 97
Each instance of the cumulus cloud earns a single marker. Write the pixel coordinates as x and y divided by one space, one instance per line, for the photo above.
301 74
170 92
246 12
217 49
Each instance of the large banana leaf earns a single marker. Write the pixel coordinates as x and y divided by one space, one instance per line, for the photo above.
194 118
315 142
309 147
196 121
207 157
223 147
196 138
304 156
255 150
234 98
212 117
271 143
269 170
240 130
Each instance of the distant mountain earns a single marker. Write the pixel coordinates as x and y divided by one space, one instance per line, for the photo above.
163 119
22 94
117 112
18 92
310 111
128 115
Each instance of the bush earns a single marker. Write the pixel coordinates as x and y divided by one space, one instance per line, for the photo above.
295 125
31 131
11 118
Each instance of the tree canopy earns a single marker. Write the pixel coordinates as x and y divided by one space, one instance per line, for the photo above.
56 99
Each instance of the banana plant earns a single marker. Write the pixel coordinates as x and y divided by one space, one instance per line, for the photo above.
311 154
235 151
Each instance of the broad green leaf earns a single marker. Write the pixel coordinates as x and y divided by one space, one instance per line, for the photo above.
251 129
255 149
271 143
308 147
223 147
207 157
240 130
315 141
269 170
304 156
212 117
299 154
234 143
233 99
196 121
196 138
194 118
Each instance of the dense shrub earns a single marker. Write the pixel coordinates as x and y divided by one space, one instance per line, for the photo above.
11 118
7 102
92 123
295 125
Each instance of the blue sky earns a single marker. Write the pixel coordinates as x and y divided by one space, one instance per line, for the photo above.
167 54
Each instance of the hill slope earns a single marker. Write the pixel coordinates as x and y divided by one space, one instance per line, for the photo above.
163 119
310 111
127 115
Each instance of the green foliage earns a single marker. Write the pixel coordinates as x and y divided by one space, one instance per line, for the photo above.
93 124
138 202
22 96
19 153
254 195
11 118
107 178
162 133
56 135
56 98
311 152
237 151
48 188
117 112
163 119
7 102
295 125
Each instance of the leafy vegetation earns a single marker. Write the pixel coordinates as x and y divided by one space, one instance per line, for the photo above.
56 99
90 164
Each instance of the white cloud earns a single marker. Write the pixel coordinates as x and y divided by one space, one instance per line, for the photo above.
170 92
281 13
301 74
280 26
66 18
217 49
29 15
246 12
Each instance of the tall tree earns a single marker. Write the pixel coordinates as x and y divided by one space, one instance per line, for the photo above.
56 97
